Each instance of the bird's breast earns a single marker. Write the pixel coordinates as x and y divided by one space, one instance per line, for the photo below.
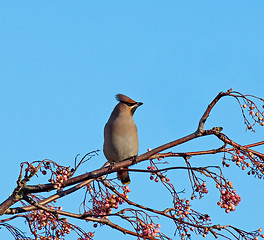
120 140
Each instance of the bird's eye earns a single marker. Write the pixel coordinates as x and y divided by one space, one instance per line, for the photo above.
128 104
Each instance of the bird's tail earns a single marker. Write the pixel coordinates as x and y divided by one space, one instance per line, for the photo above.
123 176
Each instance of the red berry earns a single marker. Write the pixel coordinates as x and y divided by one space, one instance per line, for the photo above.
107 205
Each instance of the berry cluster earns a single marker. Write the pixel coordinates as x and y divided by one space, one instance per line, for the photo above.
199 188
59 174
148 230
60 177
42 220
158 175
258 170
183 213
242 159
257 116
182 208
202 188
239 159
229 200
104 204
184 230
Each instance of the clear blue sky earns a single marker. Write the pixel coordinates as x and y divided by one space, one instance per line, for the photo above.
62 62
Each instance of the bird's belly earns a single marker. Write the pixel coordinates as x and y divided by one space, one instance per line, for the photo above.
121 148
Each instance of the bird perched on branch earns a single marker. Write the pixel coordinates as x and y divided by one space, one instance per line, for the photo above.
120 134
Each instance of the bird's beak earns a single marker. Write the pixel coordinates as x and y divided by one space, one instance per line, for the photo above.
135 106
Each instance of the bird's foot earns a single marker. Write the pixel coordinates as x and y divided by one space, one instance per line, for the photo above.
134 159
109 165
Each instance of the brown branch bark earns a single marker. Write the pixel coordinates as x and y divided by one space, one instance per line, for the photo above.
45 201
225 139
212 151
209 108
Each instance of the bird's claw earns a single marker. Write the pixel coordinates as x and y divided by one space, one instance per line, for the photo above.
111 165
134 159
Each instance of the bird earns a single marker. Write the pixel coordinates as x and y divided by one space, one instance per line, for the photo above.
121 135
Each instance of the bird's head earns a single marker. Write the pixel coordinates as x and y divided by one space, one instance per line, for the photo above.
131 104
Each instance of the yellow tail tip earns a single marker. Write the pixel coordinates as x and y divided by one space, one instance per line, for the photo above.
125 183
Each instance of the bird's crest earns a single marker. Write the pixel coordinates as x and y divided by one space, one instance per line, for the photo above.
124 98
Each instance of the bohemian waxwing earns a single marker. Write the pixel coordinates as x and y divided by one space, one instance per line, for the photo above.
120 134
